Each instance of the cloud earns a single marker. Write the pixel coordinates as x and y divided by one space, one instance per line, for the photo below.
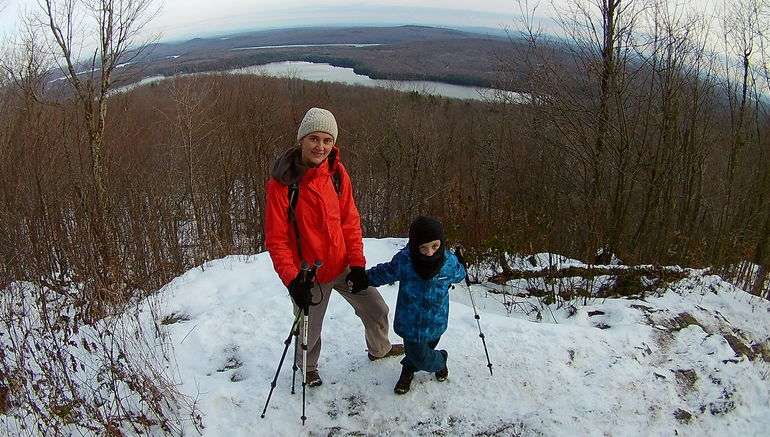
210 18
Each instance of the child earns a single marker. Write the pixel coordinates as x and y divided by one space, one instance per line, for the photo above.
425 270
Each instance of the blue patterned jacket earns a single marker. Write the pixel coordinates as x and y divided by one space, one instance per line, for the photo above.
422 309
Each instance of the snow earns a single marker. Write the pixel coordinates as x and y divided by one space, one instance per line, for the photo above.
614 367
661 365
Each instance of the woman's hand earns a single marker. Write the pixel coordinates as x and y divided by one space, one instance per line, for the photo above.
299 290
357 279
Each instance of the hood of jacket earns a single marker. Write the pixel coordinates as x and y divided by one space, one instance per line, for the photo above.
288 168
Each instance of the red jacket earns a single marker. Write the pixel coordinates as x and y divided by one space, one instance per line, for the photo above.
329 225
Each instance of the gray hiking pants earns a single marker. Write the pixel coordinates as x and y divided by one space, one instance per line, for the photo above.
369 306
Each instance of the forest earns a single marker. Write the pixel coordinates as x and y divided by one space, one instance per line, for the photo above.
650 153
656 149
396 52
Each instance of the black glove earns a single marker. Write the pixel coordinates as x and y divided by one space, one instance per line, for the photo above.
357 279
299 291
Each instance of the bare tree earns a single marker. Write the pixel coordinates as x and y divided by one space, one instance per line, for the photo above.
118 24
82 43
744 32
741 35
74 252
586 101
762 250
746 35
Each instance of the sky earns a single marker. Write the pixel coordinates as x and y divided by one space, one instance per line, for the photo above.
183 19
608 367
490 13
187 18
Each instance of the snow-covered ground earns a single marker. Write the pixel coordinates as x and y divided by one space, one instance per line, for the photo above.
613 367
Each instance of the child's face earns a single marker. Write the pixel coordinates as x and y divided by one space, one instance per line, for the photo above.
429 248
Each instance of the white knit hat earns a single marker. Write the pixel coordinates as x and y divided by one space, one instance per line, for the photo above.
318 120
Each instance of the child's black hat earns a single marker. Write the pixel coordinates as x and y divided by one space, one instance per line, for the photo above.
425 229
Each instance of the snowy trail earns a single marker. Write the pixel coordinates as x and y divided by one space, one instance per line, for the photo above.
550 379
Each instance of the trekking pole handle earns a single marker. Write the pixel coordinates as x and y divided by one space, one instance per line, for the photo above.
305 268
316 265
308 273
459 254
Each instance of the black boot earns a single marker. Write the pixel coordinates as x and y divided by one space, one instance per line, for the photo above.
404 381
442 374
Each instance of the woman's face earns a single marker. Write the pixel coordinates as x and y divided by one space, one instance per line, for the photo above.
429 248
315 146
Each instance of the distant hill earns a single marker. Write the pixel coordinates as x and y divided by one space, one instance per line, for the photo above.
399 53
314 35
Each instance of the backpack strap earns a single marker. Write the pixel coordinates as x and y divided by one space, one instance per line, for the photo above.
337 182
293 194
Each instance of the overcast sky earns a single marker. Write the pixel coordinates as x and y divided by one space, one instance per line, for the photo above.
182 19
189 18
289 13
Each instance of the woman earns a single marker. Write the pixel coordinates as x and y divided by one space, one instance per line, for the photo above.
321 223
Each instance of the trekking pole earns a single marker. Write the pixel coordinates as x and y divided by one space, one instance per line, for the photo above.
294 367
287 342
308 276
459 254
304 267
293 333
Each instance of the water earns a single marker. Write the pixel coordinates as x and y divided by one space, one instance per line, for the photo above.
324 72
303 45
328 73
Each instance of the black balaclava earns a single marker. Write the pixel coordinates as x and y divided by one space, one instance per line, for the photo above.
422 230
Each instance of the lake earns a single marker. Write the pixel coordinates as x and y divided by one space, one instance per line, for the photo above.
329 73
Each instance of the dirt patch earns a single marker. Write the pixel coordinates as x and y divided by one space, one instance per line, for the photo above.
686 378
5 403
682 416
739 347
681 321
762 351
